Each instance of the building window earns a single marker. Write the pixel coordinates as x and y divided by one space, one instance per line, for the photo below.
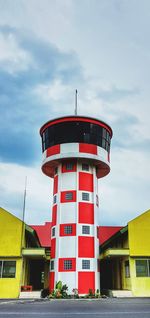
69 196
127 269
52 265
54 199
85 264
7 269
85 196
85 229
85 167
53 231
67 264
69 166
97 200
68 229
142 268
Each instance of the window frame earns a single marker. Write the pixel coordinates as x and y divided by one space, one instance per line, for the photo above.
68 230
147 268
2 268
86 264
54 199
70 194
53 231
127 269
52 265
85 194
84 228
67 264
85 167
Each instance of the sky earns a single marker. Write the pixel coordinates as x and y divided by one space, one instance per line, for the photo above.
47 50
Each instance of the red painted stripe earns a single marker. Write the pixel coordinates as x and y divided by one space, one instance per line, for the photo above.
88 148
86 246
54 215
86 181
55 187
86 281
51 281
80 119
62 229
86 213
53 247
54 150
61 265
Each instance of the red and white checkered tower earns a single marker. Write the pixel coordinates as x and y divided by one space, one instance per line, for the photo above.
76 152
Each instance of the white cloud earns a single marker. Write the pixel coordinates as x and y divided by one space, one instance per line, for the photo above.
13 58
111 41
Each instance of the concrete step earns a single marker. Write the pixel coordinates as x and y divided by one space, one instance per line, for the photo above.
121 293
30 294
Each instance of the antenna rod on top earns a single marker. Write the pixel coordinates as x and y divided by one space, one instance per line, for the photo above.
76 102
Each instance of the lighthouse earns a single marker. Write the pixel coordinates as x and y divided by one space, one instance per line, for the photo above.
76 153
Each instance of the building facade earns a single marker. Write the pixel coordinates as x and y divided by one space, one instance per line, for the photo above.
24 262
125 259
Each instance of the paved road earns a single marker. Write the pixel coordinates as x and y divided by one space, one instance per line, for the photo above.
102 308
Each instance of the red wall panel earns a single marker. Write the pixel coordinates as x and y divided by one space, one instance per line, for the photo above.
88 148
63 194
51 281
61 265
85 181
86 246
53 247
53 150
54 215
55 187
86 213
62 226
86 281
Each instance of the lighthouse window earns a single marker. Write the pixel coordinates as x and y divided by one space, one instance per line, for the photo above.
85 167
68 229
53 231
85 196
75 132
69 196
85 264
67 264
52 265
85 229
54 199
69 166
104 133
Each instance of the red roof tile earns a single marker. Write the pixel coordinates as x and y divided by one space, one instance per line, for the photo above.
44 233
105 232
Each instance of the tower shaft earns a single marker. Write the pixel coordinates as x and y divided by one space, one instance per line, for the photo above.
75 243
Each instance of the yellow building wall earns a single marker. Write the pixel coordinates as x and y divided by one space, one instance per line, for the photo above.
139 246
10 287
139 235
140 285
10 234
10 249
